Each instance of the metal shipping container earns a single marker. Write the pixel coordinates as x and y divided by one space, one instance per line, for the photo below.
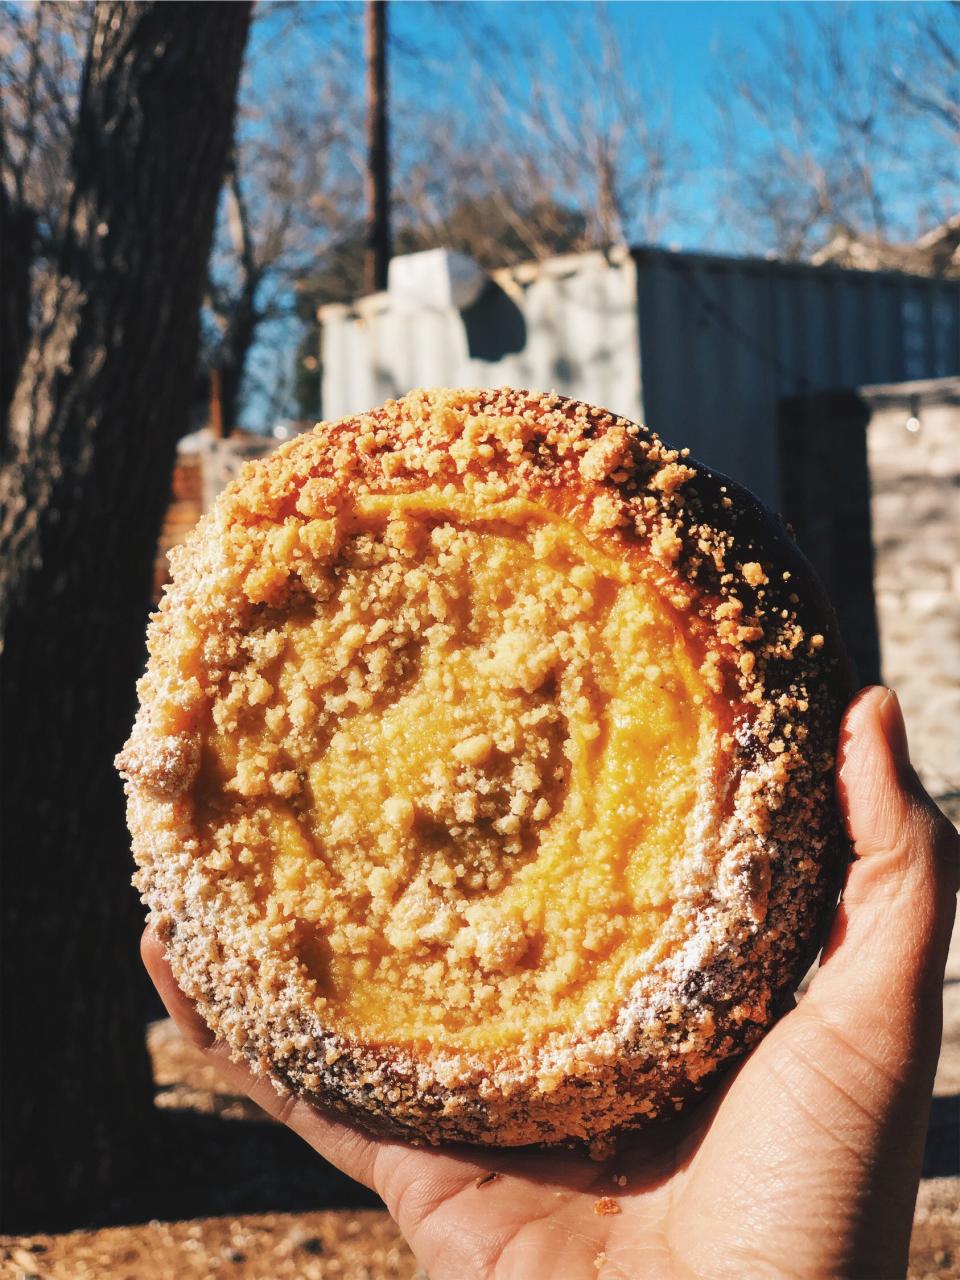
701 348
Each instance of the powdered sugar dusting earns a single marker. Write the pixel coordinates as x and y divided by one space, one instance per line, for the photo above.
751 888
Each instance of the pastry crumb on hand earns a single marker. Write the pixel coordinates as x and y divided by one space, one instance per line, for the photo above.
606 1206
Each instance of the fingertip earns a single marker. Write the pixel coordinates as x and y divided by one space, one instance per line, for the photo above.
867 717
869 695
890 715
894 919
151 950
179 1006
875 783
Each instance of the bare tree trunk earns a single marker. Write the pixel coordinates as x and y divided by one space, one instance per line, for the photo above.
100 402
235 348
378 162
238 313
16 257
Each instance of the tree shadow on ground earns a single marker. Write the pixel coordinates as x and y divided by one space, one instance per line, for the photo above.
941 1156
199 1166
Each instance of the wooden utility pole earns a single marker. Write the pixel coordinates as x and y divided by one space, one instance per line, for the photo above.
377 186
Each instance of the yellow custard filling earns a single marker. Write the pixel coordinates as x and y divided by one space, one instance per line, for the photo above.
456 775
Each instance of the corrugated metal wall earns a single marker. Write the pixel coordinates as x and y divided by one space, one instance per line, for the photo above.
569 324
715 342
723 339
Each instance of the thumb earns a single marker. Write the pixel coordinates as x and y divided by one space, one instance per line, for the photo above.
881 975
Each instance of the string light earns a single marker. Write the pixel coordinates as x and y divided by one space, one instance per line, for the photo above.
912 424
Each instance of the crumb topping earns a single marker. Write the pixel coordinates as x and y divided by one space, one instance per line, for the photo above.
481 781
455 779
606 1206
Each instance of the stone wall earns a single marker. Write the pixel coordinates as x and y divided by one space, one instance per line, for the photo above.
913 451
871 484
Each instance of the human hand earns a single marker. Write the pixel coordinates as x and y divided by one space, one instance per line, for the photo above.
804 1162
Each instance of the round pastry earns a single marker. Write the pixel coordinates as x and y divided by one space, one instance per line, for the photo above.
482 780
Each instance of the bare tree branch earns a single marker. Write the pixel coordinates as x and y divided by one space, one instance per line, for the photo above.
819 129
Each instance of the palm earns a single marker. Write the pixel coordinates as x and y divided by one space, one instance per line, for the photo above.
805 1163
538 1216
762 1181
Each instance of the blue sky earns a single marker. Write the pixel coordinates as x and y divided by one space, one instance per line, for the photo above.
681 33
681 45
677 38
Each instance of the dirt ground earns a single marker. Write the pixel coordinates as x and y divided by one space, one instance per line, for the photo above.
364 1244
341 1243
348 1245
233 1173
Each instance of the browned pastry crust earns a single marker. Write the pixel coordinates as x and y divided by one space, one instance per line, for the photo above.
755 899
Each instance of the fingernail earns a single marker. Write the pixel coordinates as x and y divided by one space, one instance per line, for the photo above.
894 730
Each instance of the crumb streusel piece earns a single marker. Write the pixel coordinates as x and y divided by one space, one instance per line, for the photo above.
481 784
